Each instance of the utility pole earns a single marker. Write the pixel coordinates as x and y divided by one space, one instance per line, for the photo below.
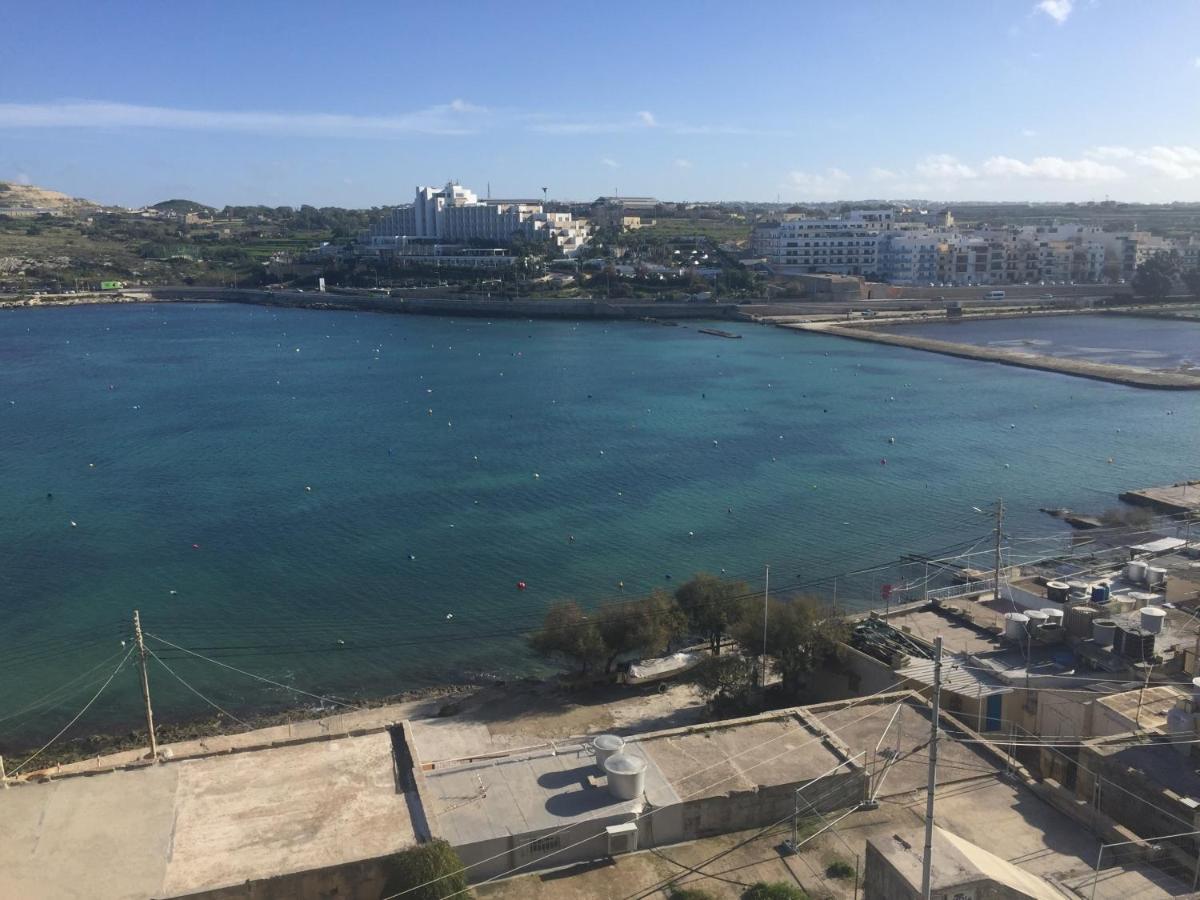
137 633
999 531
927 861
763 666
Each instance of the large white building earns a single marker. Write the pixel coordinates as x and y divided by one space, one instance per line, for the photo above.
842 246
454 213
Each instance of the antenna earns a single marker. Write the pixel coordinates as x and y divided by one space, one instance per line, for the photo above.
544 189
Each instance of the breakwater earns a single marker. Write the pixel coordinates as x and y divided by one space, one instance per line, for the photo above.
1116 374
365 302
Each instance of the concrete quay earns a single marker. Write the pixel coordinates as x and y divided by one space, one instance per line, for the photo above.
1172 499
1126 375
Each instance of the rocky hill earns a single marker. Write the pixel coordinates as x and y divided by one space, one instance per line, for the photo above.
32 197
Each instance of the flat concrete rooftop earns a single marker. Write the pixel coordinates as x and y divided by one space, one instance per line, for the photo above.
958 636
523 793
189 825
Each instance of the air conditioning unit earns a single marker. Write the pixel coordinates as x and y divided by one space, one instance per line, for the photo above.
622 838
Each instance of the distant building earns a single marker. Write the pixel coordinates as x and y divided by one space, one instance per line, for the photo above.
841 246
455 213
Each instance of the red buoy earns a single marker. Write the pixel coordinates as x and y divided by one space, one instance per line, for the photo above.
520 585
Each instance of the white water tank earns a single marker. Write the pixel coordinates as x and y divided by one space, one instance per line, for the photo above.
1136 571
1152 618
1123 603
1015 625
1053 616
1143 598
1196 693
1037 618
605 745
1103 631
1156 576
626 776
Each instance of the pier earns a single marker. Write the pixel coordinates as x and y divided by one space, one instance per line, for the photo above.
1126 375
1172 499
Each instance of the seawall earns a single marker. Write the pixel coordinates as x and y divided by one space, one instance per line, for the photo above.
494 309
1126 375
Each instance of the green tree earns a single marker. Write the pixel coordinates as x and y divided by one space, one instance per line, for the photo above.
645 626
802 636
568 634
429 871
1155 278
1191 278
711 605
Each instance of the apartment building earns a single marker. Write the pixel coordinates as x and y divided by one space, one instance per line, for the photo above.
841 246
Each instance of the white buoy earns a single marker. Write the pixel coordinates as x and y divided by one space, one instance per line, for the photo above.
73 525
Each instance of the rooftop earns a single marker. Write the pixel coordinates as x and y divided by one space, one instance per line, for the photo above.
197 824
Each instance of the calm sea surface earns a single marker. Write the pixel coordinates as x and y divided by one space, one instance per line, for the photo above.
1128 341
346 503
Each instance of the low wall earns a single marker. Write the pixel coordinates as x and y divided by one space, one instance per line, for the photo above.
365 878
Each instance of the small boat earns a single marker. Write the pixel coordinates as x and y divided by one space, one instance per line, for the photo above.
649 670
719 333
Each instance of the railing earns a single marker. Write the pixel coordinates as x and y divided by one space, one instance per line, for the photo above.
962 590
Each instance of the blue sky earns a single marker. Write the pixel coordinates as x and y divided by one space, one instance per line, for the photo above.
354 104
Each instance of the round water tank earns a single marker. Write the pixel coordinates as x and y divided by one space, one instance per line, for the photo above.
1037 618
1054 616
605 745
1015 625
1077 588
626 776
1155 576
1100 592
1143 598
1196 691
1152 619
1136 571
1122 604
1103 631
1079 620
1057 591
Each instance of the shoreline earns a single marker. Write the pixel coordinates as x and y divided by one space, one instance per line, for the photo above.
1128 376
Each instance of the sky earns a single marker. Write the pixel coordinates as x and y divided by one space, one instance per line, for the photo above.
356 104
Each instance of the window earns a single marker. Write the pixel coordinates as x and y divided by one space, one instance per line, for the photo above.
544 845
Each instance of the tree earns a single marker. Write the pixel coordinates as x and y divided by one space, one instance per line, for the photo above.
1156 276
644 626
1191 278
711 605
430 871
568 634
802 635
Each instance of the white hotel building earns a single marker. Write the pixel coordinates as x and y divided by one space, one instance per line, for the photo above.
848 246
455 213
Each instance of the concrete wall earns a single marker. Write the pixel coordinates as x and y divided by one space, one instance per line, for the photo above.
858 675
365 878
544 849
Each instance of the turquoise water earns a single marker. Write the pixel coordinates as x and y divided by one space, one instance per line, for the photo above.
183 439
1126 341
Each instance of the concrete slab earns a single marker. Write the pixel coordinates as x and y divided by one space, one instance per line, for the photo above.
957 636
103 837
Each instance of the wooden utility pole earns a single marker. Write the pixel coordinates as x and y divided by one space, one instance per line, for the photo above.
137 633
999 531
927 860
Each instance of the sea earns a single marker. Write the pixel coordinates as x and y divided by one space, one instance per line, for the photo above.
356 505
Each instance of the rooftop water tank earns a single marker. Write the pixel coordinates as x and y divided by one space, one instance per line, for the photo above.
1057 591
626 776
1103 631
1144 598
1196 693
1121 604
1079 620
1077 588
605 745
1135 571
1156 576
1152 619
1100 592
1053 615
1015 625
1037 618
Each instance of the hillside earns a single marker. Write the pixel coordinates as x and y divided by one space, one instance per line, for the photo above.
183 207
28 195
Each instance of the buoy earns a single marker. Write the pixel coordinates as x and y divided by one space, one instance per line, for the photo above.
536 475
691 534
194 546
412 556
521 585
341 642
308 488
667 576
449 615
73 525
883 462
621 585
891 440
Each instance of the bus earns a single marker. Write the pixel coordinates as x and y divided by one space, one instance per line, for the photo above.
995 295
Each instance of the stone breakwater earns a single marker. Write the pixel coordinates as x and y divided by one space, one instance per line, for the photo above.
1127 375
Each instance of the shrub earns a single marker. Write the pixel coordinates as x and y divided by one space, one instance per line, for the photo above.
678 893
776 890
434 862
839 868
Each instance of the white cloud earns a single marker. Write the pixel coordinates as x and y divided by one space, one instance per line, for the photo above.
1196 62
878 174
647 118
943 166
1051 168
611 163
683 163
455 117
818 184
1058 10
1179 162
1028 132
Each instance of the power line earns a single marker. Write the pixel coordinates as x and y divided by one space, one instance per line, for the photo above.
77 716
179 678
